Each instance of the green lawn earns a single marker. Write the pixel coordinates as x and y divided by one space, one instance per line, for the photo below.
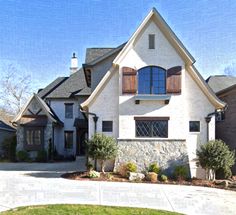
83 210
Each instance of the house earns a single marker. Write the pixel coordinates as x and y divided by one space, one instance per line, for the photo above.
6 131
153 100
225 88
146 93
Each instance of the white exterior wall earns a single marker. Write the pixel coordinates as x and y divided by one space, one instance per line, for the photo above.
190 105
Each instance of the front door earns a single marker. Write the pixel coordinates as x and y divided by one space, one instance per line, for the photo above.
81 143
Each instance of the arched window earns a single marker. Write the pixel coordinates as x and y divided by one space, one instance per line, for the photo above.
152 80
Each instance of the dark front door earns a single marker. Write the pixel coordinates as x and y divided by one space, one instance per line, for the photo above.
81 143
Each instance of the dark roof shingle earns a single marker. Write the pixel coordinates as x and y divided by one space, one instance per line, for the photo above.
5 126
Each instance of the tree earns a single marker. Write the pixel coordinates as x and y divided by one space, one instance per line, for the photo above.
215 155
102 147
15 89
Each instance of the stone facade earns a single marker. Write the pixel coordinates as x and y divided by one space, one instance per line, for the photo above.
166 153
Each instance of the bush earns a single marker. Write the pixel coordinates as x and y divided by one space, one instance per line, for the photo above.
164 178
22 156
9 148
41 156
216 155
131 167
181 172
154 168
89 166
93 174
102 147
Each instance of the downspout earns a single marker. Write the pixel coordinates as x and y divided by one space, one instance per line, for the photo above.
95 119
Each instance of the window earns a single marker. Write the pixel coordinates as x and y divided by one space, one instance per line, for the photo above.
151 127
69 110
33 138
151 41
107 126
194 126
152 80
68 139
220 116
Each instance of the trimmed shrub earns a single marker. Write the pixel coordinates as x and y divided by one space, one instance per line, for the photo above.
154 168
41 156
164 178
102 147
22 156
89 166
93 174
181 172
216 155
131 167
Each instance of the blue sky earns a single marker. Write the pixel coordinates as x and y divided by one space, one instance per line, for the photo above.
39 36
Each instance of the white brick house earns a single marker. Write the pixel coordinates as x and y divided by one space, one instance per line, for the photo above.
153 100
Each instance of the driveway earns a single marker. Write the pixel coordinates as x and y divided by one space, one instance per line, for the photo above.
33 184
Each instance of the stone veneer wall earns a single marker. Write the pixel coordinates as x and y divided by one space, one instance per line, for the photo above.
20 138
167 153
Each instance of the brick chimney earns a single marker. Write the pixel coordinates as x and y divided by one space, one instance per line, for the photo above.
73 64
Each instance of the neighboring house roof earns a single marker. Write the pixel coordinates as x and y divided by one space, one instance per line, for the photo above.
52 86
94 53
226 90
220 82
75 85
177 44
48 111
6 127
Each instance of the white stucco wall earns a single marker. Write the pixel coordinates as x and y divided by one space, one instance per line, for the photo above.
190 105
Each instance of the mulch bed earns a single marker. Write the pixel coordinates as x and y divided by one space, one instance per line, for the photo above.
114 177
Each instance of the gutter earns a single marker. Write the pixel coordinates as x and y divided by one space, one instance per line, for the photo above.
95 118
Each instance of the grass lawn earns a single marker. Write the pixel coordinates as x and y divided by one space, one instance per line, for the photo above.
83 210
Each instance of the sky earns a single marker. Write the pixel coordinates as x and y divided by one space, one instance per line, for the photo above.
39 36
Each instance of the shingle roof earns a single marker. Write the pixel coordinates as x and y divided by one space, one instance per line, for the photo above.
72 86
53 85
220 82
4 126
94 53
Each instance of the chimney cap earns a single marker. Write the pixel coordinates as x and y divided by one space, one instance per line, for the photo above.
74 55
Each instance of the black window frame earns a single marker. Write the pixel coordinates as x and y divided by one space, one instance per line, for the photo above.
151 41
66 110
197 127
151 87
33 130
151 122
107 126
68 145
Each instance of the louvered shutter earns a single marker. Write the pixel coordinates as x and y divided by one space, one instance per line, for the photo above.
129 80
173 82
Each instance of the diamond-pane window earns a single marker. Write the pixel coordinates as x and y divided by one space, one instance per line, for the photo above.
152 128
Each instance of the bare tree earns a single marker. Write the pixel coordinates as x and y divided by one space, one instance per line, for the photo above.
15 89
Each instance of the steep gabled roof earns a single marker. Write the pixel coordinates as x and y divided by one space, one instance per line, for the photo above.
47 110
73 86
220 82
176 43
94 53
52 86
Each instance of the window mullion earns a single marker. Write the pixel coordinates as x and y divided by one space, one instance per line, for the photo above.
151 80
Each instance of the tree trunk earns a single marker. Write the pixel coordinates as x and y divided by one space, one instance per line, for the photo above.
210 174
103 166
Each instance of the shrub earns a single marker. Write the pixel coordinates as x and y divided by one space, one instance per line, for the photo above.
164 178
9 148
41 156
131 167
22 156
93 174
154 168
181 172
102 147
216 155
122 170
89 166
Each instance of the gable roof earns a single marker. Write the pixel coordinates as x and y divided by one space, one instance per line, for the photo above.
220 82
6 127
48 111
177 44
94 53
52 86
74 85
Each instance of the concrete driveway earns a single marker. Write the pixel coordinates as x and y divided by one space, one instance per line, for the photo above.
33 184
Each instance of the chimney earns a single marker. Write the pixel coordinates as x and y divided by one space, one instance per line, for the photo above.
74 64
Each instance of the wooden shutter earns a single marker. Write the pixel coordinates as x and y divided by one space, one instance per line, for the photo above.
173 82
129 80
